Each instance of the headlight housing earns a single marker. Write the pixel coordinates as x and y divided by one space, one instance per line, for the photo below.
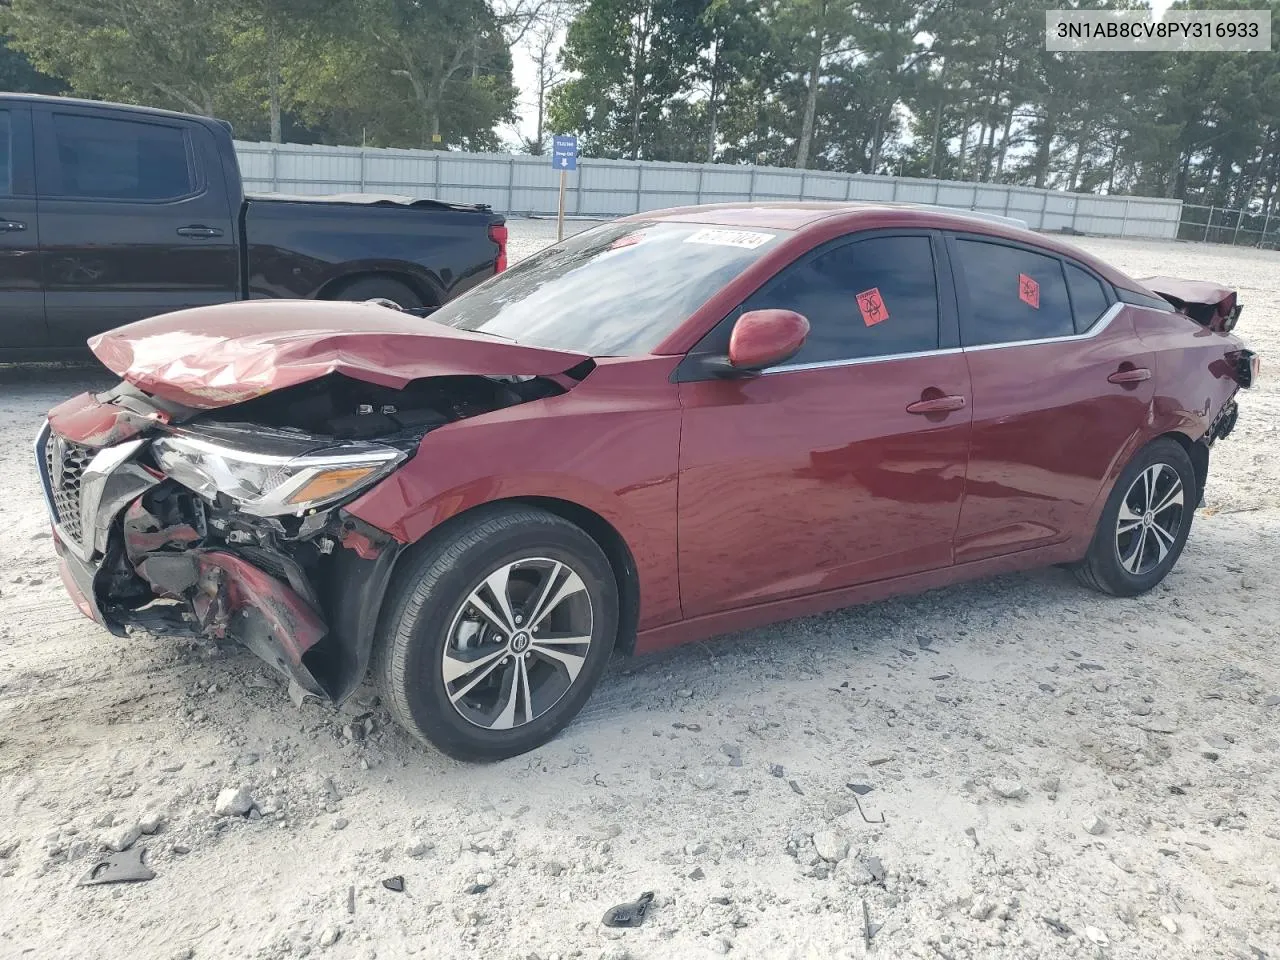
287 475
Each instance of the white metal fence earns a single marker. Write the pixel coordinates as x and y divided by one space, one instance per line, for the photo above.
610 188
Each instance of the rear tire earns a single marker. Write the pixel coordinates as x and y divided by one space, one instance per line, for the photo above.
1145 523
379 288
476 652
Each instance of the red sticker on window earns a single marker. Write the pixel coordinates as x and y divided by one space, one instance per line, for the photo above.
1028 291
871 306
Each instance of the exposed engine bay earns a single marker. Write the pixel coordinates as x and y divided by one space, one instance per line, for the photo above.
230 523
344 409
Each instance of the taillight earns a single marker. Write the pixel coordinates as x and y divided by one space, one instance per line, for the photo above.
1255 367
1246 367
498 234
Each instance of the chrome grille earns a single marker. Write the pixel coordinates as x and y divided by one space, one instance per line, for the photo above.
66 462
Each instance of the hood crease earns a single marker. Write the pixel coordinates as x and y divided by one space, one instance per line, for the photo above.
211 357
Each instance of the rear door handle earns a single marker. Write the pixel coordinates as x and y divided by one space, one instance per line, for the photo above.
1131 375
937 405
199 230
11 226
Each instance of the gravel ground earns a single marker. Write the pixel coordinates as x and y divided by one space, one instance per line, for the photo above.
1058 773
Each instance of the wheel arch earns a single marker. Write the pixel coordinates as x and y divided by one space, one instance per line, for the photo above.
1197 452
604 533
427 290
615 549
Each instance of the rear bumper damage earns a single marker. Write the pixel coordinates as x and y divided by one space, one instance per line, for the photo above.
137 551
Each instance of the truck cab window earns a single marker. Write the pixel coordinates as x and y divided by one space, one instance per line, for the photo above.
108 159
6 154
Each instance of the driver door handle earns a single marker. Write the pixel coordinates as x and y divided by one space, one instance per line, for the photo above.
10 226
199 230
944 404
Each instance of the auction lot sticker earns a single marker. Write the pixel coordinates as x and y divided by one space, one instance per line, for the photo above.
871 306
1028 291
746 239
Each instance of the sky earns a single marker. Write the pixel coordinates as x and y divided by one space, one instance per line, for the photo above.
526 78
526 75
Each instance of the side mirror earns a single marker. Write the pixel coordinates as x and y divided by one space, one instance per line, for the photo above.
765 338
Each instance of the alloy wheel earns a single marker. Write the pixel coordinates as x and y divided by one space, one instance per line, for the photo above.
1150 519
517 643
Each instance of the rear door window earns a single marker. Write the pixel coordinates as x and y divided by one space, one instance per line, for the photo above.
1012 294
870 298
105 158
1089 300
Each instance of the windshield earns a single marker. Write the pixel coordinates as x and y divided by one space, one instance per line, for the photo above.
616 290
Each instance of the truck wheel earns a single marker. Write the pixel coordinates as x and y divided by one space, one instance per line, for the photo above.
494 638
379 288
1145 523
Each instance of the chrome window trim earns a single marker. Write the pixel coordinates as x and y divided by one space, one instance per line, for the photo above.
1098 327
855 361
1101 324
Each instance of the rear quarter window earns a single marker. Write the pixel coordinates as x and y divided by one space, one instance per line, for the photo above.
1013 294
1089 300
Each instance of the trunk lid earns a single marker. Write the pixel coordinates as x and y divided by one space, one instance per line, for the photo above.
211 357
1208 304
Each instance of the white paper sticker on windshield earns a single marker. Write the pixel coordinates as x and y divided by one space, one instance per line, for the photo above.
746 239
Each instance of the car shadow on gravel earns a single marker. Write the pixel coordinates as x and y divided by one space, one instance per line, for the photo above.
77 373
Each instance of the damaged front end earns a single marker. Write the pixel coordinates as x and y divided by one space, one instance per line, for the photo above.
231 523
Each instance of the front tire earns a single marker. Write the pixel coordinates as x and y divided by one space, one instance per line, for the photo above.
495 637
1145 523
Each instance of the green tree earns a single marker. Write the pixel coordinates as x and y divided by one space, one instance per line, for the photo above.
18 75
404 73
736 39
632 58
263 41
160 52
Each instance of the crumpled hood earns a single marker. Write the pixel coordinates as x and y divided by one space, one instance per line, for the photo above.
210 357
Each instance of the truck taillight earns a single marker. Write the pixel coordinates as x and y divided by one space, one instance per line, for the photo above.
498 234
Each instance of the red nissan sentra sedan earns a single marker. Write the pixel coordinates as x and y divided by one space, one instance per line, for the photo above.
673 425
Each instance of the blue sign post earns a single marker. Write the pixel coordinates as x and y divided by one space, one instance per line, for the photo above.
564 157
564 152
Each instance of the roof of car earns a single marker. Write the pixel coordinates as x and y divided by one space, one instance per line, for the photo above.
794 215
855 215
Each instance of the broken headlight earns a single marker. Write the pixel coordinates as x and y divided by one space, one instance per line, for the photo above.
288 476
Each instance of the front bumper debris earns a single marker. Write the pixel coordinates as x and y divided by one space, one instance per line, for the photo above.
136 550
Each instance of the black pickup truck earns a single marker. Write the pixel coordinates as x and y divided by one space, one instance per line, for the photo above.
110 213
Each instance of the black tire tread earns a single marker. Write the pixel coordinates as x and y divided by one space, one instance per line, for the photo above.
413 586
373 286
1093 570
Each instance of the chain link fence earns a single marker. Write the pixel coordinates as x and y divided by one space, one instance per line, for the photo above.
1224 225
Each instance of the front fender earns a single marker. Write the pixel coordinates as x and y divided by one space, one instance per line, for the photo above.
614 453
